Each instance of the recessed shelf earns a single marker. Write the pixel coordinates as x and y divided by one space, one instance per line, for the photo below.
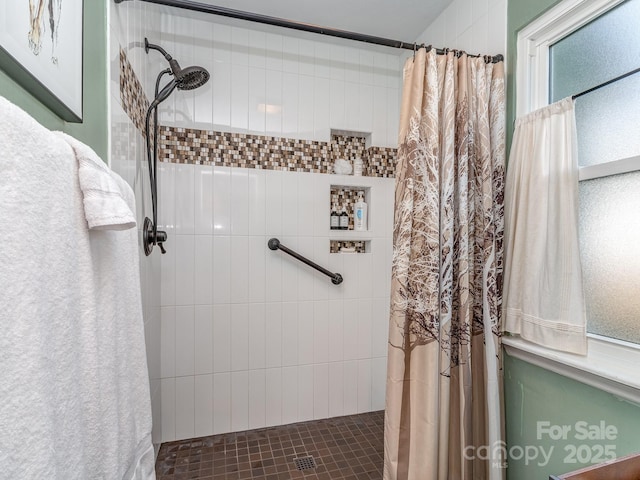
345 246
347 196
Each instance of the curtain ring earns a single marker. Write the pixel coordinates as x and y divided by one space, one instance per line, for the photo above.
414 51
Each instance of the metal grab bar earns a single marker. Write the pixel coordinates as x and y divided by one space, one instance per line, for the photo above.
274 244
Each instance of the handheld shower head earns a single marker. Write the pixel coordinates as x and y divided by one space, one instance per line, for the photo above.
163 94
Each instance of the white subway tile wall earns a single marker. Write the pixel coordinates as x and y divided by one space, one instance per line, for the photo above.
280 85
294 346
127 27
478 27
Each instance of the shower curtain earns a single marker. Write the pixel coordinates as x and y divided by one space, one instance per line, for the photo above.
443 414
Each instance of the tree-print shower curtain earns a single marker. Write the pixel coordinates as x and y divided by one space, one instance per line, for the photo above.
444 382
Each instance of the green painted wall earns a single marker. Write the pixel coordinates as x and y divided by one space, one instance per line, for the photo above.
93 129
533 394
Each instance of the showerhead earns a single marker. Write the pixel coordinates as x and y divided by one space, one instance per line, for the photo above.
186 78
193 77
190 77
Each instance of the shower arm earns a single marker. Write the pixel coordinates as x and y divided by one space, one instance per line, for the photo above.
152 46
173 63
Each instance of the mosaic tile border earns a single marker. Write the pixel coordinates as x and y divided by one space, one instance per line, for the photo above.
381 162
134 100
207 147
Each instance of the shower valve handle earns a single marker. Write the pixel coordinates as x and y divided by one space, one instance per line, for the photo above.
161 237
151 237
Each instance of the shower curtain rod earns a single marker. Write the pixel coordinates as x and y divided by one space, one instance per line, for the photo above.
305 27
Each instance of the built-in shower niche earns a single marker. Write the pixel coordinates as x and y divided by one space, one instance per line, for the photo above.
349 240
350 246
346 196
350 145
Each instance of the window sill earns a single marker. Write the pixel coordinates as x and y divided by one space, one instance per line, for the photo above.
610 365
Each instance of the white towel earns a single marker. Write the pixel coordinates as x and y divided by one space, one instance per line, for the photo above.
74 389
104 192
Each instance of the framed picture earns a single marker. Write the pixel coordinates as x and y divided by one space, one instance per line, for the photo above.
41 49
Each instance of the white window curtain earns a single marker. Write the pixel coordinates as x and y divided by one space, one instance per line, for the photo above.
543 296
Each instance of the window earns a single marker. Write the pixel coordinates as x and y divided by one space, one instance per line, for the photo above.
575 46
608 130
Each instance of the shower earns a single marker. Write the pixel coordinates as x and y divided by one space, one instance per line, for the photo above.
188 78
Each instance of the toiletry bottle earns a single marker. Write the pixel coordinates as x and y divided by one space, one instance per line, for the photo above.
344 219
360 214
357 167
335 218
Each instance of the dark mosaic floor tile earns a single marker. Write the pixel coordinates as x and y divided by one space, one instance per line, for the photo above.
343 448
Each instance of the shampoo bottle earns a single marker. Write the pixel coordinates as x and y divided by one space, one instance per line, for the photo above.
360 214
344 219
335 218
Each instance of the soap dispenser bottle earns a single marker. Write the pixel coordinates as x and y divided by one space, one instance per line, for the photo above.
360 214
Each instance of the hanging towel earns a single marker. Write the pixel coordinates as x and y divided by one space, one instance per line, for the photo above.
543 296
73 373
103 191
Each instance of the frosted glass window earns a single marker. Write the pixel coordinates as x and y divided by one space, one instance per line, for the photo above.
608 122
610 251
601 50
608 129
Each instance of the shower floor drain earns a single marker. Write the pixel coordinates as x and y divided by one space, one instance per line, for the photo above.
305 463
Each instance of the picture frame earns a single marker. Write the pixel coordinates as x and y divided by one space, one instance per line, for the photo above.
41 48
